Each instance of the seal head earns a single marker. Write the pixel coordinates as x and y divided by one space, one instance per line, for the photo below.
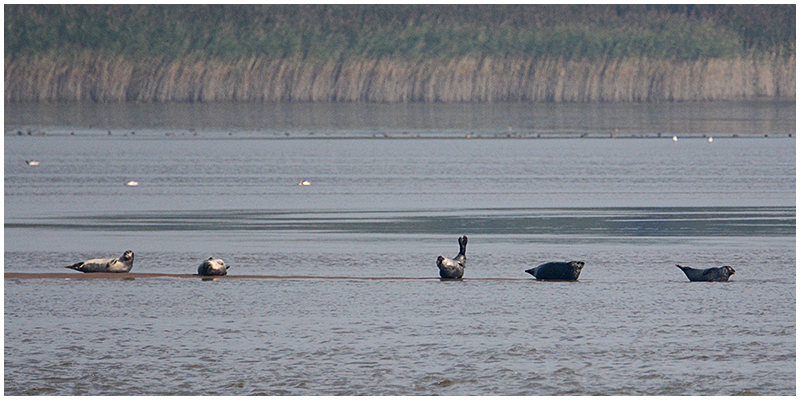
213 267
120 264
720 274
454 269
557 271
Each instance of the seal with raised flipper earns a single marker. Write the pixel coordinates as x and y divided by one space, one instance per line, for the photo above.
454 269
557 271
213 267
719 274
120 264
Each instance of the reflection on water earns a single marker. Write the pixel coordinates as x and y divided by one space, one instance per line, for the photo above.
683 221
407 120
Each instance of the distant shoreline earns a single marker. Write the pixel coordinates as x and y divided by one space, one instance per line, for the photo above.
389 136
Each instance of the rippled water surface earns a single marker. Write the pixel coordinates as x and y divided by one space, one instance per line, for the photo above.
333 287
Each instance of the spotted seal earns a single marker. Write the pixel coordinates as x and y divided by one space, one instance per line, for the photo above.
557 271
213 267
454 269
121 264
720 274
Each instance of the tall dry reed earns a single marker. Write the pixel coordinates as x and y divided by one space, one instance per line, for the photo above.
98 78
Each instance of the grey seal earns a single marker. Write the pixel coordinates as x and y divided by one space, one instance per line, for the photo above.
720 274
454 269
213 267
560 271
121 264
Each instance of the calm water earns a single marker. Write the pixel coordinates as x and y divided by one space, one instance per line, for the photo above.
392 187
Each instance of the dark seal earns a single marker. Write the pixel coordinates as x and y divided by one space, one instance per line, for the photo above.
557 271
120 264
454 269
720 274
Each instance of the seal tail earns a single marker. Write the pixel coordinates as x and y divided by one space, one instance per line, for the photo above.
76 267
681 267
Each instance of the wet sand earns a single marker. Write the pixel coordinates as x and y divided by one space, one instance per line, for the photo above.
143 275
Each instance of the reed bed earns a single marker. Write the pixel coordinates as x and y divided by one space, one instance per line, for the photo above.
98 78
398 53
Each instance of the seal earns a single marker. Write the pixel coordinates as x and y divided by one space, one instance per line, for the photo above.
720 274
557 271
121 264
454 269
213 267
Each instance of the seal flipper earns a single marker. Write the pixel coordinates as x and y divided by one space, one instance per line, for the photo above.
462 244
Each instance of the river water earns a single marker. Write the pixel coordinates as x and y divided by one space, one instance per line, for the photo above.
337 290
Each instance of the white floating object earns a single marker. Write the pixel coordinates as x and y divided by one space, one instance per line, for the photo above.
674 138
131 183
32 163
304 183
710 139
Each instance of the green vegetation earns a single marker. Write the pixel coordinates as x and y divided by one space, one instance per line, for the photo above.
398 53
406 32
